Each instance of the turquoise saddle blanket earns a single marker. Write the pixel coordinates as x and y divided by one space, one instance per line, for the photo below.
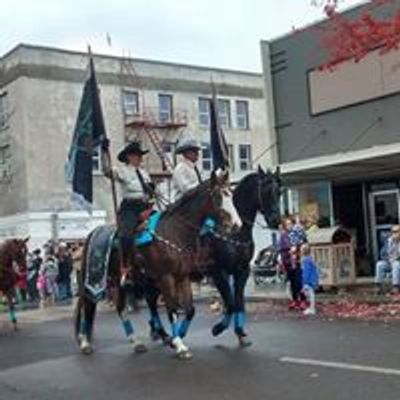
147 235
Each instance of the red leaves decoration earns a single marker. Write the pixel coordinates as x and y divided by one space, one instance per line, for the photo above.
352 39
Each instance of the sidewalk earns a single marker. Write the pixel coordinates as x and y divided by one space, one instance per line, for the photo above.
354 303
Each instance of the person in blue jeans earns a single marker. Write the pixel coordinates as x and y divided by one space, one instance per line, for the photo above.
389 261
310 278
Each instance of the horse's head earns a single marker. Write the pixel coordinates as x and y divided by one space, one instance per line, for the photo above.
269 192
223 208
18 251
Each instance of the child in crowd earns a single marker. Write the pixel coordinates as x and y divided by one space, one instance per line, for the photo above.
310 278
294 275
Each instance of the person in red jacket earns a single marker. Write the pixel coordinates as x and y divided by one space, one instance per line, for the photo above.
22 283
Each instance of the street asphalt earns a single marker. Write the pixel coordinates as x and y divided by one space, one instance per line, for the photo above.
290 359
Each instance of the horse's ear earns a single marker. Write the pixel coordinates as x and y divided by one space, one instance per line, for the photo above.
260 170
26 240
219 176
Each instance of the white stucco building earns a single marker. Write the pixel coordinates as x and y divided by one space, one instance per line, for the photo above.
40 91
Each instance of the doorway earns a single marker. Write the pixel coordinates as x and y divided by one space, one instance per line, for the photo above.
385 212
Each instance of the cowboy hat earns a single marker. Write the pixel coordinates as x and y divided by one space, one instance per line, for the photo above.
131 148
187 145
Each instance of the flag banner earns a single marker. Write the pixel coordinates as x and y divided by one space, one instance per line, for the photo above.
88 134
219 146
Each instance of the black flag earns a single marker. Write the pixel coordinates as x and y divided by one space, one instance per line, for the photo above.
219 147
89 132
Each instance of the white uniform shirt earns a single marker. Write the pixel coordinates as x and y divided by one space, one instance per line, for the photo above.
131 186
184 178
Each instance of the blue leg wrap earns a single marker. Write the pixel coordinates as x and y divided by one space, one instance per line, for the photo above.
226 320
184 327
12 315
155 321
83 327
128 327
240 320
175 329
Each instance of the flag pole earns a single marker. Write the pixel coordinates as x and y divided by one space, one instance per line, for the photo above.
108 158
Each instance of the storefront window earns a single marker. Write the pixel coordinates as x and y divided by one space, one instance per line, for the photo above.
312 202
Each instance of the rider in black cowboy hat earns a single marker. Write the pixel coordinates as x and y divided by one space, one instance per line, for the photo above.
137 190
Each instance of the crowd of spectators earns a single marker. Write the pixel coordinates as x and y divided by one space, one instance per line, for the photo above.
49 277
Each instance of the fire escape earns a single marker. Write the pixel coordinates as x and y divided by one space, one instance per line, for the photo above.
157 131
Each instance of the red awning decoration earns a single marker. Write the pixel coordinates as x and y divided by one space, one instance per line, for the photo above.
347 38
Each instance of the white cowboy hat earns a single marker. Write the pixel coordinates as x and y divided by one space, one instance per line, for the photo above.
188 144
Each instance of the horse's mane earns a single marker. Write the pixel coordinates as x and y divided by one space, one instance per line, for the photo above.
188 196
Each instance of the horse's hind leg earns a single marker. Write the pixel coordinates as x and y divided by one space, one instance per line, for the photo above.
85 323
126 322
239 281
221 281
157 330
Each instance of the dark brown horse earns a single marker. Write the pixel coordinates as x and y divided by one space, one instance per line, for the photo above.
13 251
168 262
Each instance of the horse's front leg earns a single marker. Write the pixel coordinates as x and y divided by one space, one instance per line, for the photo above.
187 303
169 290
221 281
127 325
240 278
157 330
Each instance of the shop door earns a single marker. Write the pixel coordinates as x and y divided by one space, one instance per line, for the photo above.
384 214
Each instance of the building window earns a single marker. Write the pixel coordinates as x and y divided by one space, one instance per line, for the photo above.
231 157
313 202
5 162
204 112
242 114
224 113
206 157
245 157
130 101
96 159
3 110
165 107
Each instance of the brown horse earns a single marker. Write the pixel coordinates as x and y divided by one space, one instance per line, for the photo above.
12 251
169 261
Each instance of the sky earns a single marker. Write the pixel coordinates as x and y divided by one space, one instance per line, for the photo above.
217 33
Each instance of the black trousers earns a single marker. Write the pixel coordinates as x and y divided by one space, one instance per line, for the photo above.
128 221
294 276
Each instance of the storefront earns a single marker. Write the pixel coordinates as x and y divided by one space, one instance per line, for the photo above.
361 192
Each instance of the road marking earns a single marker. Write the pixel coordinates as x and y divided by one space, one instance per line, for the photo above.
340 365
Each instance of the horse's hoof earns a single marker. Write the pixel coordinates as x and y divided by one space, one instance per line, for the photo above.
185 355
87 349
155 337
217 329
140 349
167 341
244 342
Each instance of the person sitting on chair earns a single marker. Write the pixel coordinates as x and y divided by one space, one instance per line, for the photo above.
137 191
390 261
186 175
